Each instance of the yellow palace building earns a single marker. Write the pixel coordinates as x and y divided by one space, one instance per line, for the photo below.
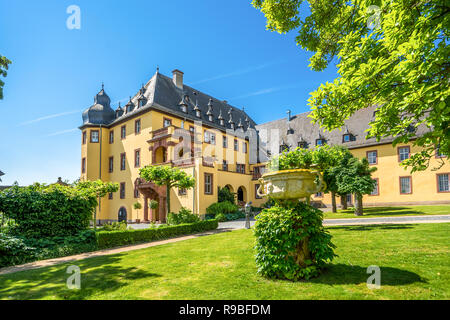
168 122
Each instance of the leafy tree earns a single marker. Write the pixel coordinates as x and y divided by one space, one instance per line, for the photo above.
137 206
354 176
167 176
393 55
97 188
326 159
4 62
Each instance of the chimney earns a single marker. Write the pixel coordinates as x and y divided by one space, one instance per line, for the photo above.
289 115
178 78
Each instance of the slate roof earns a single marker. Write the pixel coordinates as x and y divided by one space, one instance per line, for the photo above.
302 129
162 94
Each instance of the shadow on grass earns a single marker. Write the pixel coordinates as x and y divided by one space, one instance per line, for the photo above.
369 227
98 275
384 211
347 274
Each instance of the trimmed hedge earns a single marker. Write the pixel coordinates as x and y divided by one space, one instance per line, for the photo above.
109 239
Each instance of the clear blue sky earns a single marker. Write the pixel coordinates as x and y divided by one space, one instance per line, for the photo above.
222 47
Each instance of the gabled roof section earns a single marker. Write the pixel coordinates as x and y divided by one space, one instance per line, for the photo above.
162 94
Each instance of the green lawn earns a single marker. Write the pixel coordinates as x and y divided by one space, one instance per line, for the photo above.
414 261
373 212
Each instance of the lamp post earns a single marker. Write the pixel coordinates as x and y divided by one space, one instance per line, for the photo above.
248 208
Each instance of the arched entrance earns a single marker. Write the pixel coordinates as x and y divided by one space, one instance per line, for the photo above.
122 216
152 192
229 187
241 194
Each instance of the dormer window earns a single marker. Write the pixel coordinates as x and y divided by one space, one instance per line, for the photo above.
302 145
320 142
284 148
348 137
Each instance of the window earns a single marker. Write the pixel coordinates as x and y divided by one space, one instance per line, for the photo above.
94 136
137 158
372 157
210 137
405 185
320 142
182 191
375 191
208 183
111 136
443 181
123 162
83 165
167 122
123 132
122 190
224 142
136 192
110 196
137 126
403 153
182 124
240 168
302 144
84 137
111 164
284 148
319 195
347 137
225 165
236 145
244 146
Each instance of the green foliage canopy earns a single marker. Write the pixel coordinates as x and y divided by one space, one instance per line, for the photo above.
391 54
4 63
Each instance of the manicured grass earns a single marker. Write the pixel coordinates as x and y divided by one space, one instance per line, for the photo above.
373 212
414 261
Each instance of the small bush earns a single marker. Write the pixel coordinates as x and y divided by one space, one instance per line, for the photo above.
291 242
183 216
115 226
221 217
221 207
225 195
235 216
109 239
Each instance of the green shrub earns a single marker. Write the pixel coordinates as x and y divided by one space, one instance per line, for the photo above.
183 216
18 250
118 226
109 239
291 242
47 211
222 207
235 216
225 194
221 217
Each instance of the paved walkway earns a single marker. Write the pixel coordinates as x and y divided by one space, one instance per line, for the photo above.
223 227
240 224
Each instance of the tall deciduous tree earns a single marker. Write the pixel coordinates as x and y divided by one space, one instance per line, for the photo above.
4 63
167 176
389 53
353 175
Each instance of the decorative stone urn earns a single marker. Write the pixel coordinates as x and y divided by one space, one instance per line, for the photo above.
291 184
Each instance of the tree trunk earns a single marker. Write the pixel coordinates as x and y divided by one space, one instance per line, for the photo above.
333 202
358 204
344 202
303 253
